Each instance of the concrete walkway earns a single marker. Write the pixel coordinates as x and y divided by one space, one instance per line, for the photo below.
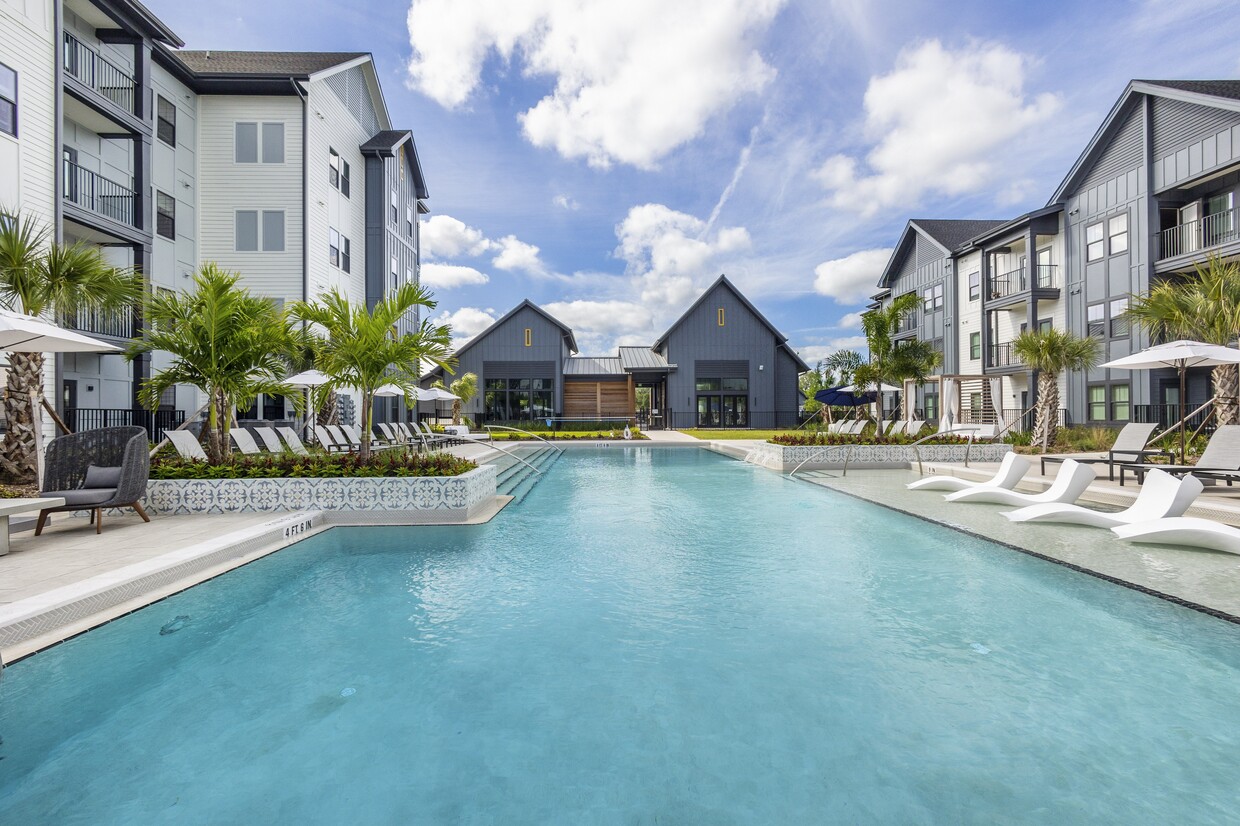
671 436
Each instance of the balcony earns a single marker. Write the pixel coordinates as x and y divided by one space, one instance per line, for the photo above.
88 68
1202 235
907 327
1001 355
95 193
1016 282
95 322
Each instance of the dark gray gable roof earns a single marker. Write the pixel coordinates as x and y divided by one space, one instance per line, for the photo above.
386 143
155 28
1222 93
722 281
642 358
263 64
593 366
951 234
568 332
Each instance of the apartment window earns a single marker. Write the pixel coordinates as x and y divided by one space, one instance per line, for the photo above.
1095 320
395 213
975 286
333 168
1120 325
408 275
166 120
409 221
975 345
256 230
1096 405
394 269
346 254
1095 246
529 337
8 100
333 247
1117 232
165 215
720 317
344 177
250 138
1120 409
932 297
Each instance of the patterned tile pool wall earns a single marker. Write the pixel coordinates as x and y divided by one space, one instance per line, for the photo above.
450 496
779 457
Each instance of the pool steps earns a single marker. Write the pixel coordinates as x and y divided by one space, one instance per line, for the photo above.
516 479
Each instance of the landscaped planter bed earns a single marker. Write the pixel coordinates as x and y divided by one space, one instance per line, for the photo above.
862 456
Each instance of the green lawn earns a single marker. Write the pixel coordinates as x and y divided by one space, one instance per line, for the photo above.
720 435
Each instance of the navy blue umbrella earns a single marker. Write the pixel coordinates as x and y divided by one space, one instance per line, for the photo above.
843 396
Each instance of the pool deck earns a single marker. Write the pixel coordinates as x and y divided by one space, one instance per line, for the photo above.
42 573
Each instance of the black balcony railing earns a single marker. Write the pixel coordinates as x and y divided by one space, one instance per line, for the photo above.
115 324
1167 415
92 191
87 66
1016 281
1002 355
1202 234
93 418
1013 417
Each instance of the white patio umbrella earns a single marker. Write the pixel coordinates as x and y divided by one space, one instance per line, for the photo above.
308 378
389 390
1181 355
435 394
20 333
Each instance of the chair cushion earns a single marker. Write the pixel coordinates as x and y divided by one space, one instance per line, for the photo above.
82 497
102 477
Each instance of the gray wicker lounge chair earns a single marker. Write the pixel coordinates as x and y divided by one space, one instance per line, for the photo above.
97 469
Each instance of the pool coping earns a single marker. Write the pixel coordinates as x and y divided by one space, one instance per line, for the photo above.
1180 601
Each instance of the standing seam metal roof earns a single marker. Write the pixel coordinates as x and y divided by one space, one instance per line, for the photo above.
593 366
641 358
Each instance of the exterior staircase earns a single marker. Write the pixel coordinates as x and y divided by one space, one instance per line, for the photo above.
516 478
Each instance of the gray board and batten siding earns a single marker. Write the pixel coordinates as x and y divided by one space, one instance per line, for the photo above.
392 168
698 341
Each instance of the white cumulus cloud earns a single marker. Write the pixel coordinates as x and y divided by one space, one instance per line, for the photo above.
516 255
937 120
566 202
850 321
612 318
448 276
632 81
852 278
466 323
443 236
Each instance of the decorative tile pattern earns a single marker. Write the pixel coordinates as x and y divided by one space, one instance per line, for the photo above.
451 495
780 457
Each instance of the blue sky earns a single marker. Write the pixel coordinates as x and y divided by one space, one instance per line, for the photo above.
608 160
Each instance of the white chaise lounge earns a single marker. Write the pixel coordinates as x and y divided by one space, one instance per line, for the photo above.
1011 471
1072 481
1183 530
1162 496
244 441
186 444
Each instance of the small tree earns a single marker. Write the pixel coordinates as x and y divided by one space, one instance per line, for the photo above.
810 382
1203 307
229 344
843 363
361 349
1048 353
893 362
41 278
464 388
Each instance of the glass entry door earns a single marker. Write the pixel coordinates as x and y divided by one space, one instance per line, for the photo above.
708 411
736 411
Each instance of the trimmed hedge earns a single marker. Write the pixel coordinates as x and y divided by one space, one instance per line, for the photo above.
317 465
828 439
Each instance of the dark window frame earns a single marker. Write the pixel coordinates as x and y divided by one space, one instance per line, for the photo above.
346 254
975 345
333 246
975 285
11 103
1100 242
165 215
166 128
1113 235
1096 327
1117 325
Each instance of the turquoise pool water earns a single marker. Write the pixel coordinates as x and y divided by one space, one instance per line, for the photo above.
652 636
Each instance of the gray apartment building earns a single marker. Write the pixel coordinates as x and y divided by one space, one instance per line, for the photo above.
1152 195
721 364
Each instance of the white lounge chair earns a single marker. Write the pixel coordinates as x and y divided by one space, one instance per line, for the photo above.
270 440
1072 481
836 426
187 445
390 434
1162 496
1187 531
913 427
1011 470
244 441
1129 446
327 439
897 428
290 437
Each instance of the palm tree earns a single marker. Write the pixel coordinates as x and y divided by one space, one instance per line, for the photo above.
843 363
1048 353
39 277
229 344
464 388
1206 308
361 349
893 362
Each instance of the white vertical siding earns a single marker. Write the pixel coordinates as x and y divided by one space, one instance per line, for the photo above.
969 313
230 186
27 162
332 126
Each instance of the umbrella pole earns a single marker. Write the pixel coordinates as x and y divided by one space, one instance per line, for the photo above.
1183 404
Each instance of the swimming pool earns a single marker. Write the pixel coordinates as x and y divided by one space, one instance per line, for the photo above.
650 636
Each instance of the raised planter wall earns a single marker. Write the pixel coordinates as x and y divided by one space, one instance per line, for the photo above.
427 499
874 457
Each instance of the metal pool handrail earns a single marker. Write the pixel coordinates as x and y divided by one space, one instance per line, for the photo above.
489 427
853 445
508 453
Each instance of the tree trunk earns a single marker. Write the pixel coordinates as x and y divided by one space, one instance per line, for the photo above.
1048 410
1226 386
19 460
211 441
364 453
456 411
329 413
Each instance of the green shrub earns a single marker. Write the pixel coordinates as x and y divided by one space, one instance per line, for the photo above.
318 465
826 439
